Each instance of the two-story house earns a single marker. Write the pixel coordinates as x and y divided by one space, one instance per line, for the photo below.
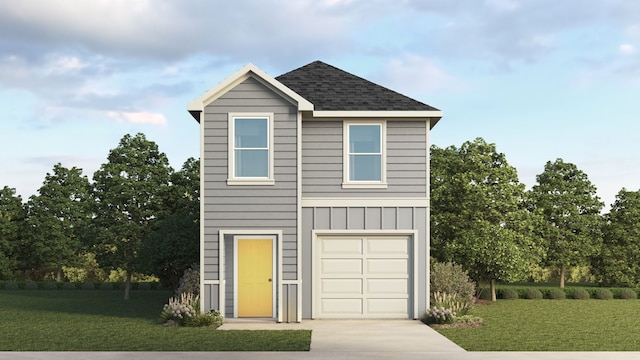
315 196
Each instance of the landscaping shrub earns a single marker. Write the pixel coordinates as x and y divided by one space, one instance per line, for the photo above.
11 286
450 301
484 294
190 281
144 286
533 294
581 294
50 285
557 294
88 286
106 286
509 294
31 286
213 318
68 286
627 294
438 316
603 294
451 278
184 310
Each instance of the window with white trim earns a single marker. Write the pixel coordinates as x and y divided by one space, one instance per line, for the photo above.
250 149
364 154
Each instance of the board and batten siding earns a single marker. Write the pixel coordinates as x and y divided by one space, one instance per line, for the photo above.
360 220
322 156
271 207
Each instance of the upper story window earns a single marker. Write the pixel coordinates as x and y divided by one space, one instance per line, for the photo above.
364 155
250 149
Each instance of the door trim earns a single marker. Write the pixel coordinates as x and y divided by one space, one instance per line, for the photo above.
274 265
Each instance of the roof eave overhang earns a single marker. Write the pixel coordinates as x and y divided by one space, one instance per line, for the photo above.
198 104
433 115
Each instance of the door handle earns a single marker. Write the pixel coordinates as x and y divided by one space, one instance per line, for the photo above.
269 279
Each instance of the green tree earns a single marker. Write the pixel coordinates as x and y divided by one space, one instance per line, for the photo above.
11 218
57 217
174 245
567 201
618 262
128 192
478 217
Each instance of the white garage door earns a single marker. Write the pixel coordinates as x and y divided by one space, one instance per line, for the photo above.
362 277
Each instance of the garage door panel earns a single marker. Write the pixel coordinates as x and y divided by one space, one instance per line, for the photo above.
341 286
387 307
386 246
362 277
341 266
341 307
342 247
387 286
387 266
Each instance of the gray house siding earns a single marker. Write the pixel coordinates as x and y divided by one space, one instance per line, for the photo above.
270 207
364 218
322 157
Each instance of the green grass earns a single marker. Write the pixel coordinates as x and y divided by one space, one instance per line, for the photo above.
85 320
552 325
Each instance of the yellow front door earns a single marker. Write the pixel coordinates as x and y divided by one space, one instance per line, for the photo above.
255 277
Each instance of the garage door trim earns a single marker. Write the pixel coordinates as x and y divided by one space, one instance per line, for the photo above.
413 256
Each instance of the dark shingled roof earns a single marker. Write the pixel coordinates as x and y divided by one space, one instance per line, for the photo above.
331 89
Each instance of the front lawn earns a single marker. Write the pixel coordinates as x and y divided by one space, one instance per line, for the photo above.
552 325
93 320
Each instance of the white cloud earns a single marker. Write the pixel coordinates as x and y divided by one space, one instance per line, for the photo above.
139 117
414 74
627 49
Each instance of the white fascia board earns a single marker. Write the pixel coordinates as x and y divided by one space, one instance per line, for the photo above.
220 89
378 114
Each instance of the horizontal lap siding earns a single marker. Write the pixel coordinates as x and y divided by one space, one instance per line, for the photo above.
322 160
250 207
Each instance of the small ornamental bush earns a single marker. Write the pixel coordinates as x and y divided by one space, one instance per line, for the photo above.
603 294
213 319
581 294
557 294
184 310
533 294
88 286
484 294
450 301
11 286
144 286
190 281
51 286
31 286
509 294
68 286
106 286
627 294
438 316
451 278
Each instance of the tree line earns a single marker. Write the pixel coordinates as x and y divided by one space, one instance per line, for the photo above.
483 219
138 215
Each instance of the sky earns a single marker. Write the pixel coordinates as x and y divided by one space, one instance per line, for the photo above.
541 79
